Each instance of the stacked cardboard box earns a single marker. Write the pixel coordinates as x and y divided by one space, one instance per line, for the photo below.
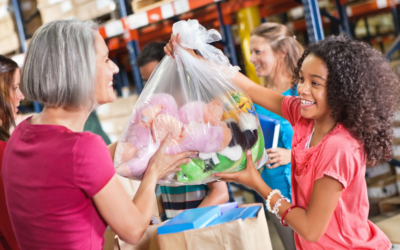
29 8
82 9
381 185
86 10
52 10
8 37
144 5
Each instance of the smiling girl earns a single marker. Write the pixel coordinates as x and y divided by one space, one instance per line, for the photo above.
274 53
341 122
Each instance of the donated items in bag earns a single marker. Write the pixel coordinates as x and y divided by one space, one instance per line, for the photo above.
196 102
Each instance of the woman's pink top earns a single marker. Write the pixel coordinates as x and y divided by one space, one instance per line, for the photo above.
339 156
50 175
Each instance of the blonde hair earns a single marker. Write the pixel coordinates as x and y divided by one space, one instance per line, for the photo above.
281 39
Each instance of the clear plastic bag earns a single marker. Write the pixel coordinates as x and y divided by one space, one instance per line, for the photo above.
197 102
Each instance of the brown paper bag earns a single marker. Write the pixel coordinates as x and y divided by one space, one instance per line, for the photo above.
251 233
147 242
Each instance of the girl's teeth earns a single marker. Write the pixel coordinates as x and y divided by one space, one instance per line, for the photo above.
306 102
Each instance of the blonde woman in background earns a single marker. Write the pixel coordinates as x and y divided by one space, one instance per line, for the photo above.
274 53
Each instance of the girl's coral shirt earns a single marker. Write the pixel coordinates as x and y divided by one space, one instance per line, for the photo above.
342 157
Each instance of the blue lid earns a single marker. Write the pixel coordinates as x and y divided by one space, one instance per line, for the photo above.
226 206
270 128
237 213
190 219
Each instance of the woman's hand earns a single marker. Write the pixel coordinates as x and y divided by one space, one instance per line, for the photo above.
278 157
162 164
248 177
169 48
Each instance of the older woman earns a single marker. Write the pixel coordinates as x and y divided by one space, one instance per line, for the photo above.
60 182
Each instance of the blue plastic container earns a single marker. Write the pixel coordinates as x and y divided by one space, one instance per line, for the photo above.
237 213
270 128
191 219
227 206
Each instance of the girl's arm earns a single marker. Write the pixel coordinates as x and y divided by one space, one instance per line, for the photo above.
309 223
260 95
218 194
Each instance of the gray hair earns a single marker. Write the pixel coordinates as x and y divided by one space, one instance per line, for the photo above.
60 65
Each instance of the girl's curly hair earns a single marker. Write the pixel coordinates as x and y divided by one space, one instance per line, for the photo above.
362 92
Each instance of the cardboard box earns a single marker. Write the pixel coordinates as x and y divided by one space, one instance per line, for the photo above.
383 188
379 172
7 26
9 44
62 10
93 9
48 3
389 205
391 227
120 107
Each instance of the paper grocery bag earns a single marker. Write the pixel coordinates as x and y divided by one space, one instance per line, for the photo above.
147 242
251 233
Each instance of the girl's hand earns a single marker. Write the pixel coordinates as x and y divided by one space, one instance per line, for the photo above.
278 157
248 177
169 48
162 164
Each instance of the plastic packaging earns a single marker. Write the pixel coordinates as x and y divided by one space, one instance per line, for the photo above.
196 100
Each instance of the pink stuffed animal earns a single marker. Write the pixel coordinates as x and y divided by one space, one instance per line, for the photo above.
213 112
168 103
192 111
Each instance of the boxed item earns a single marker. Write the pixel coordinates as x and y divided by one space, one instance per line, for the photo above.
250 233
47 3
378 172
28 8
382 188
94 9
6 25
389 204
61 10
9 44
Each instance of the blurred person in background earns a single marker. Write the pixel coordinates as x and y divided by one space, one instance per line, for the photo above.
10 97
178 199
274 53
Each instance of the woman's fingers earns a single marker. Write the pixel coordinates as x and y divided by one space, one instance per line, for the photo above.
272 150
